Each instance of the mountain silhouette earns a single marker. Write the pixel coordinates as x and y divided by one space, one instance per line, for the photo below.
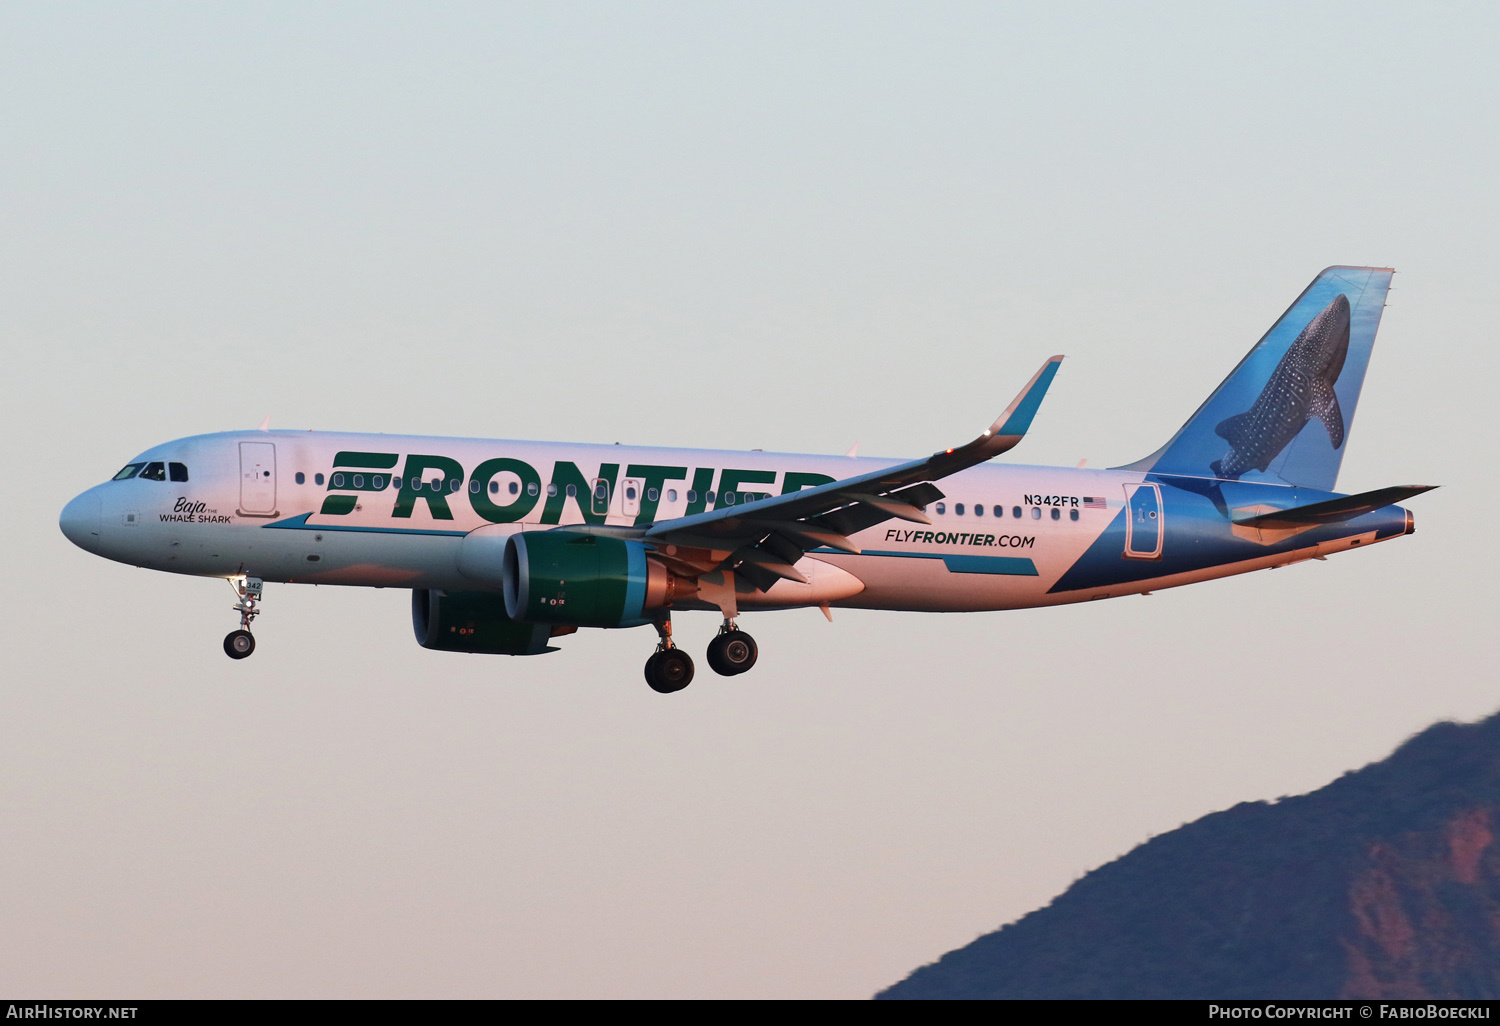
1383 884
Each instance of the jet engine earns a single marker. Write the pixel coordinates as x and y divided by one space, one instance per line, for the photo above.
592 580
474 622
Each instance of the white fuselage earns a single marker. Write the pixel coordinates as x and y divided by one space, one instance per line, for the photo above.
304 507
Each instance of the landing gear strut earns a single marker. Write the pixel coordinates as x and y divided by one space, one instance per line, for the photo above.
733 651
239 644
670 668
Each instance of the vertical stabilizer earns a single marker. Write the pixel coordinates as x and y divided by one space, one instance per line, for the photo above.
1283 415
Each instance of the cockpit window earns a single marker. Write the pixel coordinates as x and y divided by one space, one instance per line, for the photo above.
128 471
155 472
178 471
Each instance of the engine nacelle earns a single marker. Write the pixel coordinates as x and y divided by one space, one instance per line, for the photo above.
592 580
474 622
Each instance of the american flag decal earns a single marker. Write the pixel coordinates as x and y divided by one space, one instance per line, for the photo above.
1094 502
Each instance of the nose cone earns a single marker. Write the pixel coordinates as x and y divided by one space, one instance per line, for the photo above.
80 521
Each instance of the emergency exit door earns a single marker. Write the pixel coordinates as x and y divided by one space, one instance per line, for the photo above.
258 479
599 496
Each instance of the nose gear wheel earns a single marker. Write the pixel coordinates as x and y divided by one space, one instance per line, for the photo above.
239 644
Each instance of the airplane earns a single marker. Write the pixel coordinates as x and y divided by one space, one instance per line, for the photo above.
507 546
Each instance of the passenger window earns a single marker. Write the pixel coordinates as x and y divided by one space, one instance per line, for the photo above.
128 471
959 509
729 498
155 472
693 496
515 488
652 494
359 480
474 487
942 508
1036 512
1072 514
671 494
1056 513
630 493
301 477
978 509
317 479
178 471
572 491
495 487
338 481
532 488
999 511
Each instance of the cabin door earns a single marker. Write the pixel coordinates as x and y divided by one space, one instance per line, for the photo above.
258 479
1143 521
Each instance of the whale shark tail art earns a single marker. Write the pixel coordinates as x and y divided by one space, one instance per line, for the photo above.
1283 415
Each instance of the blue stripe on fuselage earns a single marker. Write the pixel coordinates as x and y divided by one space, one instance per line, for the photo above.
957 563
299 523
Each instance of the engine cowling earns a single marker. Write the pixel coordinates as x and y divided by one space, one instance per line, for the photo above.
592 580
473 622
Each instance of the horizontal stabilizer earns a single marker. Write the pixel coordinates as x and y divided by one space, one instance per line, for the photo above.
1335 510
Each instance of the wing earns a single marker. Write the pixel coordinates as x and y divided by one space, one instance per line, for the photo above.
761 540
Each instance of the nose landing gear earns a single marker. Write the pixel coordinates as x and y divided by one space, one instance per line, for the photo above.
733 651
239 644
670 668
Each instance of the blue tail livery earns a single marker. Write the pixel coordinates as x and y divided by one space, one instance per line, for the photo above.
1283 415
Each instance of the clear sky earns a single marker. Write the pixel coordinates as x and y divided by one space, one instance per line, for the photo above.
785 226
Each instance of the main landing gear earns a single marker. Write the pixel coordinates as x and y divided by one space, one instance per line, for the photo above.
733 651
239 644
671 669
